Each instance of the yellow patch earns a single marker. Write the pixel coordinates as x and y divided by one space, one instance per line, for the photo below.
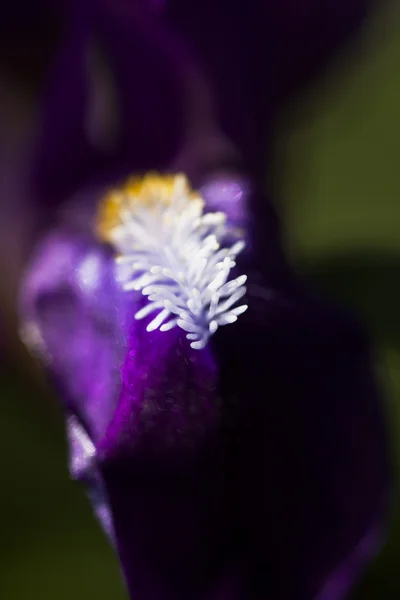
150 190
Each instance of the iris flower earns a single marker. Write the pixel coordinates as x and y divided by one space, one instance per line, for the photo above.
225 420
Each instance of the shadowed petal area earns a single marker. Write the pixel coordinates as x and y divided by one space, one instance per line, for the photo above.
258 54
313 461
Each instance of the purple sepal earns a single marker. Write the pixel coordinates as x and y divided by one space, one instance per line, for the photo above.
254 468
168 73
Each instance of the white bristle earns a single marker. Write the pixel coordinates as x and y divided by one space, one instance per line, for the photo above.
175 259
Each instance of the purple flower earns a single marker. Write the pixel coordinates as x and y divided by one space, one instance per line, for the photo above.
257 465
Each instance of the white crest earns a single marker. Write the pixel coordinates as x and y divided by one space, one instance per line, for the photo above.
174 254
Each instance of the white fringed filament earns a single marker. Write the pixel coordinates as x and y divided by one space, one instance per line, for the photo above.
173 253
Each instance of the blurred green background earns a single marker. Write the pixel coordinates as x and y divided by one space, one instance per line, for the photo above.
338 165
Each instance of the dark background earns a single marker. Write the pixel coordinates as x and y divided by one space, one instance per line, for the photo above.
338 179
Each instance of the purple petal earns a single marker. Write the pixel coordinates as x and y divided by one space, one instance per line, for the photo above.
216 68
168 402
145 78
291 492
255 55
313 468
77 317
254 468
